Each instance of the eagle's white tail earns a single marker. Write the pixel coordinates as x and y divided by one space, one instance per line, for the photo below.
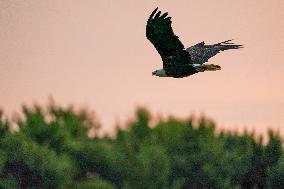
207 67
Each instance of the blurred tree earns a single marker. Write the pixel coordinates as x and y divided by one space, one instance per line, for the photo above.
262 159
52 149
93 184
152 169
34 166
4 125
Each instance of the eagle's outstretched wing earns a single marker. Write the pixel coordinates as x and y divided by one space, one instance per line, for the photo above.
159 31
200 53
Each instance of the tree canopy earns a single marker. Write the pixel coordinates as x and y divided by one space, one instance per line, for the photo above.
52 149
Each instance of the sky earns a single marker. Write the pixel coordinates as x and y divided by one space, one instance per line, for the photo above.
94 54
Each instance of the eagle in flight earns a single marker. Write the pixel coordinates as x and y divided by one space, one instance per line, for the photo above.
179 62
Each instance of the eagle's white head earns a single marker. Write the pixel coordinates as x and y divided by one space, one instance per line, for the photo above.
160 73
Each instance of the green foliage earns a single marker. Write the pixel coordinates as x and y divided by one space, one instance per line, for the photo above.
35 166
276 175
152 169
93 184
52 149
4 125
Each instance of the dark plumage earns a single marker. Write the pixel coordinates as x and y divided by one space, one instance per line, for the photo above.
179 62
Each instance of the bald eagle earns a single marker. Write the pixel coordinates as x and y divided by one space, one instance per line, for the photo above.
179 62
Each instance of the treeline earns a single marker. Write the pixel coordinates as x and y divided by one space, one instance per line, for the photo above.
51 149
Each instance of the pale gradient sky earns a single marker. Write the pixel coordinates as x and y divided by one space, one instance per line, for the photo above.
94 53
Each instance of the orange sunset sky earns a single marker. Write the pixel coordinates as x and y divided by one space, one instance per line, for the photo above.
94 53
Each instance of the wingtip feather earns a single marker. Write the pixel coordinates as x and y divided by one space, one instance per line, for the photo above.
157 15
153 13
230 44
164 15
